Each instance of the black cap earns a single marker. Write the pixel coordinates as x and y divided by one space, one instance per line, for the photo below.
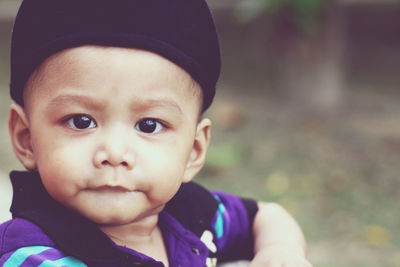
182 31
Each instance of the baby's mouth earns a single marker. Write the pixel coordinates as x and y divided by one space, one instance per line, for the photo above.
111 188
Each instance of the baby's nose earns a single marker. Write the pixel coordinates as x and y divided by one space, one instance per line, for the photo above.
105 158
114 151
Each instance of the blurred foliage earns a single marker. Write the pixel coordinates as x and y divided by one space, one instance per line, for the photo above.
306 14
224 155
376 235
277 183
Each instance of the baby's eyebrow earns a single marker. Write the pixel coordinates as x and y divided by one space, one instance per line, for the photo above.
157 103
93 103
68 99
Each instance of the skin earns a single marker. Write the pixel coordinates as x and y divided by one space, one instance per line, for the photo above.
108 127
279 240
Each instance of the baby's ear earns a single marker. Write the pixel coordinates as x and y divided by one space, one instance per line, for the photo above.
199 150
18 126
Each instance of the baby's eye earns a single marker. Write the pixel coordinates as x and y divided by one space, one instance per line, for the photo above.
81 122
149 125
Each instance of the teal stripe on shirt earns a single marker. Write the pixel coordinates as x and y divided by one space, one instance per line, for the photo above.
20 255
67 261
219 223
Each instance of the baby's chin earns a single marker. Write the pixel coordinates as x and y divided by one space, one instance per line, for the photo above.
108 219
117 217
115 220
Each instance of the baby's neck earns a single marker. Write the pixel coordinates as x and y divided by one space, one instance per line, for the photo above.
144 236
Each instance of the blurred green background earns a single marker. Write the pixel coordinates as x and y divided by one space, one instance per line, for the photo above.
306 114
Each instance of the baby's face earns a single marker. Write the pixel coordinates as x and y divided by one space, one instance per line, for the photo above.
113 130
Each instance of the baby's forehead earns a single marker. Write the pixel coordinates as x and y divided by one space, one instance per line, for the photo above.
73 66
83 56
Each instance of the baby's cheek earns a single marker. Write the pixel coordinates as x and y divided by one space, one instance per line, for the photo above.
70 161
54 187
167 184
59 179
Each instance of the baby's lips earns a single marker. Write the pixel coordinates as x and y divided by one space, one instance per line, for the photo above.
112 188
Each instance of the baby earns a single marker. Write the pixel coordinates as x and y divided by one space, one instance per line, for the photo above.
107 120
